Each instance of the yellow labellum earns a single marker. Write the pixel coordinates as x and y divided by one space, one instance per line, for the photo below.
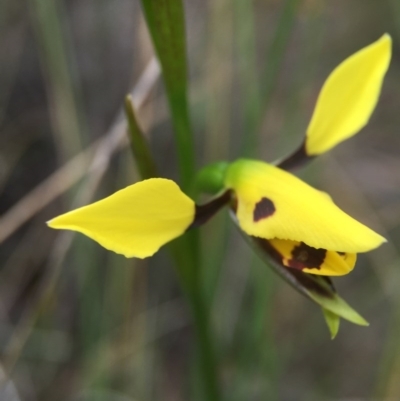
299 256
272 203
135 221
348 97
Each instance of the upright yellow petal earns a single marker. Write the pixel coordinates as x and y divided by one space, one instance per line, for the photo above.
272 203
300 256
135 221
348 97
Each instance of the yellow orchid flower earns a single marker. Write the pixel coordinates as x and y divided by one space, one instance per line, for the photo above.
299 227
271 203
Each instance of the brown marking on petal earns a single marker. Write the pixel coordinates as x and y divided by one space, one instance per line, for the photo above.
263 209
306 257
308 281
269 249
311 283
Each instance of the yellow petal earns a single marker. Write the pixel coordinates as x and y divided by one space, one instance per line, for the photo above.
300 256
272 203
348 97
135 221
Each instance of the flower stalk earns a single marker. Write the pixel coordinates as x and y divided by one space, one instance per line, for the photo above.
165 20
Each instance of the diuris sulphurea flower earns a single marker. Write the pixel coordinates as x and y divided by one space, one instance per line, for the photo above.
300 228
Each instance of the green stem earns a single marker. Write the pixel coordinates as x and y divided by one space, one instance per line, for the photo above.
166 23
140 149
55 55
186 254
246 42
206 351
165 20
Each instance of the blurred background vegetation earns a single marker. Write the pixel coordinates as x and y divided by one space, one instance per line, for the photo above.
80 323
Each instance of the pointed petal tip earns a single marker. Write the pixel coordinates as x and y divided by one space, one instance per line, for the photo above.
52 223
377 241
386 41
369 240
383 241
59 222
332 320
55 223
360 321
386 37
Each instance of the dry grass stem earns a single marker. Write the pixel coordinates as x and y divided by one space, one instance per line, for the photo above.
93 159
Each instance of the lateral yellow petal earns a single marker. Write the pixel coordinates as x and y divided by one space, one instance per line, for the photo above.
300 256
272 203
348 97
135 221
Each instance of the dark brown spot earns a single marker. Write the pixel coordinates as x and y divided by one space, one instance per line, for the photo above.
322 285
306 257
263 209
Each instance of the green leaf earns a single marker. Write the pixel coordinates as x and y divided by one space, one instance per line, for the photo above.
333 321
165 20
57 60
340 307
140 148
319 289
